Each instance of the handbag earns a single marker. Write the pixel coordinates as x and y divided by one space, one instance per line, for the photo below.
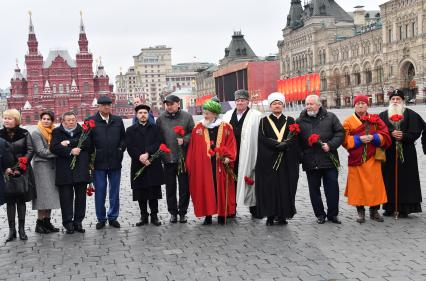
16 186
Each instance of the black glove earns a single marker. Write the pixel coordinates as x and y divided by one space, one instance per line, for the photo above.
282 146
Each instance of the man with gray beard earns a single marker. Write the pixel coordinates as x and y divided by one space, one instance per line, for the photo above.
408 197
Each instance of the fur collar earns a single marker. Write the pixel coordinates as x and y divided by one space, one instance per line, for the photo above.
19 133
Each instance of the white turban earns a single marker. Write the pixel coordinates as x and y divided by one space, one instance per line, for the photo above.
276 96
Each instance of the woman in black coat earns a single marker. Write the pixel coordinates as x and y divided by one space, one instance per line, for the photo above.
20 144
6 161
143 139
72 183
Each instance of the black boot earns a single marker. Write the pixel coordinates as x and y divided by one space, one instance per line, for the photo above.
270 221
144 220
221 220
21 230
12 232
49 226
207 220
41 228
154 220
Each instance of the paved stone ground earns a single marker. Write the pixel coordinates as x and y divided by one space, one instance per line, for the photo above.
242 250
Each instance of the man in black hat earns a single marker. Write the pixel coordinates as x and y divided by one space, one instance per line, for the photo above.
137 101
245 122
108 138
143 139
167 121
403 133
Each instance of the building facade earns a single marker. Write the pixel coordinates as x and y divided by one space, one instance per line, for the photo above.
59 83
368 53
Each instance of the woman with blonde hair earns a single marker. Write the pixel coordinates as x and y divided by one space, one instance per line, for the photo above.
44 174
21 147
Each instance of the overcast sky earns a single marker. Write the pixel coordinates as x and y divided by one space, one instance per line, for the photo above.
195 29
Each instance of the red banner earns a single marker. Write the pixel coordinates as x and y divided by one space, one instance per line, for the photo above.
298 88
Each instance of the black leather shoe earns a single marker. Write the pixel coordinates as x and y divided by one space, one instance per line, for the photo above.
207 220
173 218
79 228
144 220
100 225
270 221
41 228
154 220
221 220
282 221
69 229
321 220
335 220
12 235
21 231
182 219
49 226
114 223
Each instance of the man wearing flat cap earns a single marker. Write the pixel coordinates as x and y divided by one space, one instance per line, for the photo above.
317 159
171 118
210 160
403 133
143 139
108 138
277 167
245 122
366 137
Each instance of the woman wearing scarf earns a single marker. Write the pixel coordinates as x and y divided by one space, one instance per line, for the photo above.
44 173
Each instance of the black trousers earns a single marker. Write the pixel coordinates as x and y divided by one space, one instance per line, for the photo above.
153 206
73 203
171 173
331 190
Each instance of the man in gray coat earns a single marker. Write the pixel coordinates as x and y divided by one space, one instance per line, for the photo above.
316 159
167 121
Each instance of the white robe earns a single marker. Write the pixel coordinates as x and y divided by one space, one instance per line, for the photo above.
247 155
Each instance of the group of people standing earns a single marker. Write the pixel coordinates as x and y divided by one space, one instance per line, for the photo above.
244 159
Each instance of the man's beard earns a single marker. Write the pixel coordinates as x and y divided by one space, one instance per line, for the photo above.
312 113
207 123
396 109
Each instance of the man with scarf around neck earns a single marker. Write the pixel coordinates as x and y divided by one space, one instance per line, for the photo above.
143 139
245 123
366 137
72 183
212 189
276 182
316 162
409 195
167 121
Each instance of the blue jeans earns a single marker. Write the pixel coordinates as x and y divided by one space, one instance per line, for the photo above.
100 183
331 190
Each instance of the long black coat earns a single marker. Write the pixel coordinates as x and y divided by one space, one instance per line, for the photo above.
409 191
108 140
331 131
64 174
21 145
424 138
6 161
276 190
140 140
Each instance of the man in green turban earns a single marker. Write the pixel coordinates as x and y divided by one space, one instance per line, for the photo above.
212 148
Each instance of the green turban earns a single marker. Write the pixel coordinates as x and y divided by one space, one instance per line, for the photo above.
212 106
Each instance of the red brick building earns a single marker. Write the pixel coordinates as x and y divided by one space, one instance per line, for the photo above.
58 83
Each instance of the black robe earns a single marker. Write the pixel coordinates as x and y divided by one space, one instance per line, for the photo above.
276 190
409 191
139 140
237 125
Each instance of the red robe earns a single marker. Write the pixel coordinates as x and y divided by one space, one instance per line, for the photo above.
199 167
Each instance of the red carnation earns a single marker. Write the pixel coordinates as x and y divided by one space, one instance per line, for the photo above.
364 118
374 118
179 130
92 124
23 160
314 138
249 181
164 148
294 128
211 142
85 128
396 118
23 167
211 152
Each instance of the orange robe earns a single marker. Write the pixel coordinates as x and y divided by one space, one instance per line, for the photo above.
200 172
365 186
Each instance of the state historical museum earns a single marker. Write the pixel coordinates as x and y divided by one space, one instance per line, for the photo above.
58 83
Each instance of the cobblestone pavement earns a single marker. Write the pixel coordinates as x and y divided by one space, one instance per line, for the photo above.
245 249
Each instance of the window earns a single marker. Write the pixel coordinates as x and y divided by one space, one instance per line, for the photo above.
35 88
54 88
61 88
389 35
400 32
86 87
413 29
368 76
357 76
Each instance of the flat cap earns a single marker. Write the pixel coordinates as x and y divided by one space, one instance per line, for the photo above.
104 100
171 98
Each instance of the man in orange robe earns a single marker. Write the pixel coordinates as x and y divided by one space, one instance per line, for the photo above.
212 146
366 136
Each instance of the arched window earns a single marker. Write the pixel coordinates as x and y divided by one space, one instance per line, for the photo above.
35 89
